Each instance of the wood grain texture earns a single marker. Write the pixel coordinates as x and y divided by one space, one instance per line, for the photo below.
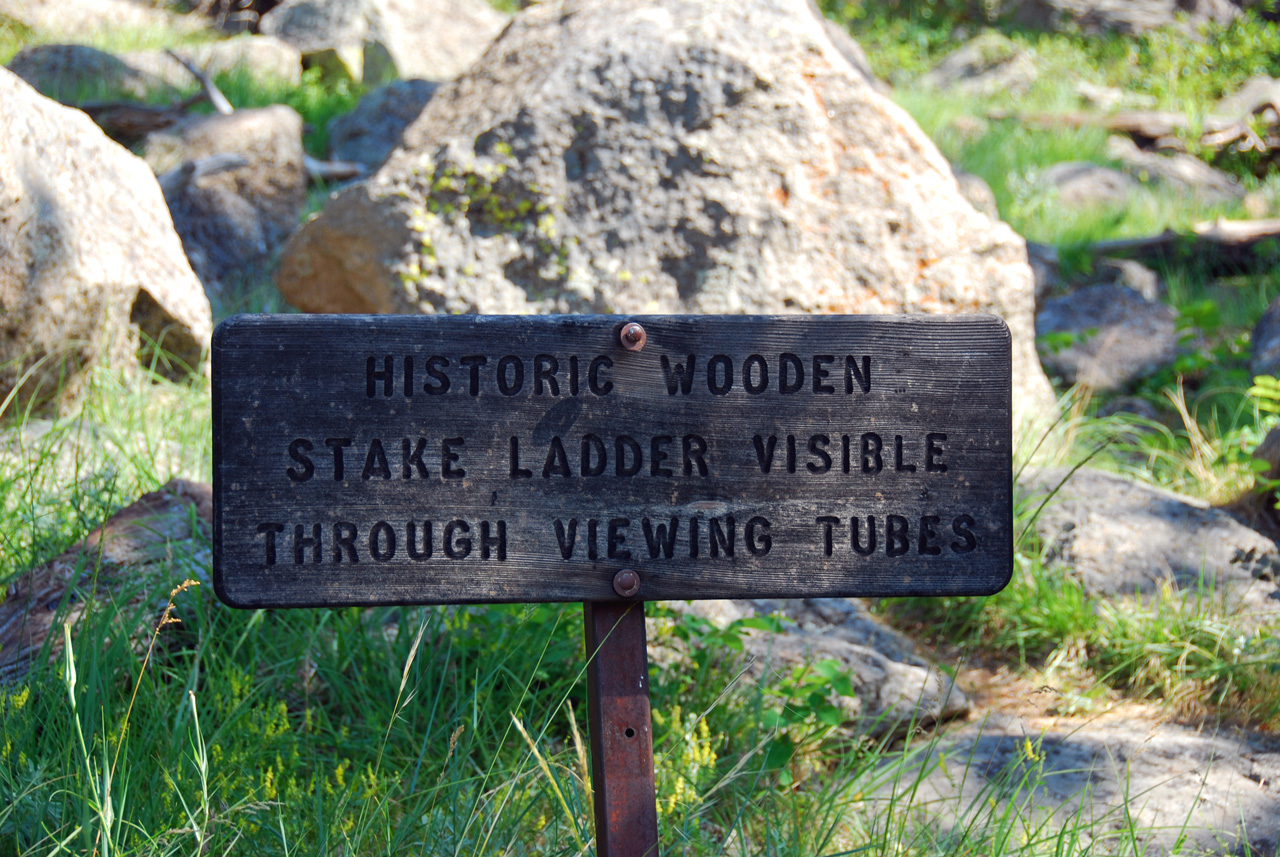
922 403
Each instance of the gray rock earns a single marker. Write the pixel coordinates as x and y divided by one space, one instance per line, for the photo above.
376 40
986 65
370 133
1120 337
686 156
1264 345
1176 788
76 73
1131 275
979 194
1120 537
1081 184
891 698
895 689
1177 171
91 261
845 45
76 20
232 219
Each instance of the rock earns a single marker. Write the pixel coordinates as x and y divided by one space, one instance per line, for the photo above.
1131 275
260 57
1259 94
376 40
90 257
1081 184
1119 537
370 133
891 698
1264 345
978 193
80 19
1175 788
1179 171
986 65
677 160
895 689
233 219
1117 337
1127 17
74 74
141 541
845 45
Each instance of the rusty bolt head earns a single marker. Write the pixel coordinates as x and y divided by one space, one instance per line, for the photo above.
626 583
633 336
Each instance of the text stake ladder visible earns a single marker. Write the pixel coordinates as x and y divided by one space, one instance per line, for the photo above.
621 730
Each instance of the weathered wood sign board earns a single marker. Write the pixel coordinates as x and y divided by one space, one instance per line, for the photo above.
391 459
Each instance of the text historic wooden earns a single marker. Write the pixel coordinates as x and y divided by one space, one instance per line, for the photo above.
429 459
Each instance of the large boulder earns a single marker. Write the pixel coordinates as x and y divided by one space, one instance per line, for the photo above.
1118 537
78 19
894 689
686 156
370 133
373 40
232 219
91 262
986 65
76 73
1107 337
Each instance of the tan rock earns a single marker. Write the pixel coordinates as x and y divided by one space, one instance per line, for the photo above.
91 259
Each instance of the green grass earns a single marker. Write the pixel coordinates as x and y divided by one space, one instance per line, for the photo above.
395 730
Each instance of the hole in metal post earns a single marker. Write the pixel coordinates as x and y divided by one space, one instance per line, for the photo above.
629 732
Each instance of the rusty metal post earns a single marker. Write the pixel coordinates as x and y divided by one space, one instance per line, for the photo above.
621 730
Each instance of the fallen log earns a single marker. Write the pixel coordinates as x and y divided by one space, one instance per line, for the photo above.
333 171
128 122
1154 129
1224 245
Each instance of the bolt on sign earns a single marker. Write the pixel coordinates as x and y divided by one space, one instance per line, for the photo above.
431 460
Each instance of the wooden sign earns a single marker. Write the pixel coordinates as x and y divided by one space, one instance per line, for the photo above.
366 460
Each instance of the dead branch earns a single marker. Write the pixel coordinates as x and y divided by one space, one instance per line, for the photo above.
333 171
128 122
215 96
